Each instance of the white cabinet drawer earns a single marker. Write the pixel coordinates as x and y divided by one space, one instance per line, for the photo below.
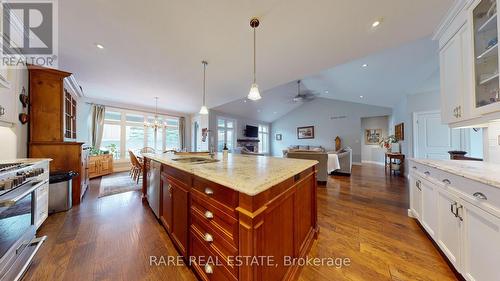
468 189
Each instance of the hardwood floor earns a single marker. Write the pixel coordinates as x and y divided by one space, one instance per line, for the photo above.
363 218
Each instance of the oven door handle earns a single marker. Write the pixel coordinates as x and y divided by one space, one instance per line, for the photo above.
38 242
14 196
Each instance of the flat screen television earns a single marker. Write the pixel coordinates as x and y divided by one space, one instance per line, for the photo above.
251 131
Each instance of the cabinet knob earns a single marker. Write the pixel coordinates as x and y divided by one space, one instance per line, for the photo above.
208 238
209 269
480 196
209 215
2 110
208 191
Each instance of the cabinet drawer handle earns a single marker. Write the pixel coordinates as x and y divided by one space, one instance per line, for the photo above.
427 173
209 269
209 215
414 167
208 191
453 209
480 196
447 181
418 183
208 238
169 190
458 214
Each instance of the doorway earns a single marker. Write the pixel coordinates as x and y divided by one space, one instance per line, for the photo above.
433 139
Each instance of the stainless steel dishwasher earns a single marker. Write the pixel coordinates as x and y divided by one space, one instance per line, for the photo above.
154 187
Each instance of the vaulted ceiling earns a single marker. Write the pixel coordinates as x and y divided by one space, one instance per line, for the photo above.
155 47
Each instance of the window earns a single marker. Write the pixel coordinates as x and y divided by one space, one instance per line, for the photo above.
172 134
124 130
264 139
111 139
225 133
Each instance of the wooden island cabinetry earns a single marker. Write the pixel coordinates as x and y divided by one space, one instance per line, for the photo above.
214 226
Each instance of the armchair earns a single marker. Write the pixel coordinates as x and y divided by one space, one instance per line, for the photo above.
345 161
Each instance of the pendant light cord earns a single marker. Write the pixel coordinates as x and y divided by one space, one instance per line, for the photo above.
254 56
204 79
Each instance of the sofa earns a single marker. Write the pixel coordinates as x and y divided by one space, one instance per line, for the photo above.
321 157
303 148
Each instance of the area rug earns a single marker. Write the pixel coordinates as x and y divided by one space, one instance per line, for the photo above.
118 183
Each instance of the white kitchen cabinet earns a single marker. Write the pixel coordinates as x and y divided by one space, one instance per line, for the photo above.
448 235
42 204
415 197
467 218
429 207
469 63
454 75
8 106
481 244
483 19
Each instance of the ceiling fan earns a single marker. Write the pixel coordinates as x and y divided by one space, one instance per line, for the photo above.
304 96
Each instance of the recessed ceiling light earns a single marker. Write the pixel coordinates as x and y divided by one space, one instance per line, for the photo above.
99 46
361 97
326 92
364 65
375 23
244 100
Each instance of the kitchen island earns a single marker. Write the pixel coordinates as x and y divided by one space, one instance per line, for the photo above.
240 217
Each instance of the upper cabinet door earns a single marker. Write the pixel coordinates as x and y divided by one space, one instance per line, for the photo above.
452 77
485 28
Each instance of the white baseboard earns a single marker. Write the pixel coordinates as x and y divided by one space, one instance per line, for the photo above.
357 163
410 213
372 162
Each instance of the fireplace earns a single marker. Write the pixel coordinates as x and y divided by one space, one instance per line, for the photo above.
250 144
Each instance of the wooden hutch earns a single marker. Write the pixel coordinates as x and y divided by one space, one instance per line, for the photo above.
52 125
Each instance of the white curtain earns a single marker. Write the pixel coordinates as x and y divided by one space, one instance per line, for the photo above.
97 125
182 133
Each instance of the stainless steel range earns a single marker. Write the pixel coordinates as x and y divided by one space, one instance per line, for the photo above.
20 183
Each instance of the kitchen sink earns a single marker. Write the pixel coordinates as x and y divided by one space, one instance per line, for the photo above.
195 160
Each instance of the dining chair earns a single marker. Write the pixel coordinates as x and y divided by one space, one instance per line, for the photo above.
147 149
136 169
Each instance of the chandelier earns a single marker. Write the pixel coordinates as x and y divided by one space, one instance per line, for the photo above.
156 123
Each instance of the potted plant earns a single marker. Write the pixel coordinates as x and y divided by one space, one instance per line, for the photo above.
388 142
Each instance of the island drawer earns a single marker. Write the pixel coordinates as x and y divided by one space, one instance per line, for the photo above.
216 219
213 239
216 192
209 265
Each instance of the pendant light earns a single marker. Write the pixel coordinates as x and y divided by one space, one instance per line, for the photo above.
204 109
254 90
157 123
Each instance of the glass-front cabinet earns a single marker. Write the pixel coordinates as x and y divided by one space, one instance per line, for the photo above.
486 61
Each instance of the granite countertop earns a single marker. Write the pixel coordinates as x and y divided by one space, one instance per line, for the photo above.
248 174
484 172
24 160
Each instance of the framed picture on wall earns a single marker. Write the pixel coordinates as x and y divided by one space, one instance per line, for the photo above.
305 132
399 131
373 136
279 137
